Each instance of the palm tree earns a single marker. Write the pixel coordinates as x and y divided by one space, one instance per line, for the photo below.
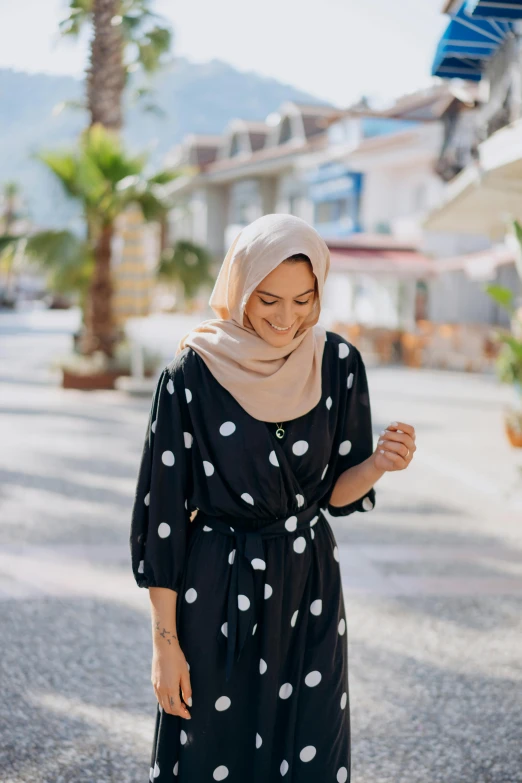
105 180
127 38
9 236
188 266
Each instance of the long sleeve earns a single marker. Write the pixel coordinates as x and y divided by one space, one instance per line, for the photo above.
160 516
354 441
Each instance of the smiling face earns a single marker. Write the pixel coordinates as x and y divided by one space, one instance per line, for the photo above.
282 301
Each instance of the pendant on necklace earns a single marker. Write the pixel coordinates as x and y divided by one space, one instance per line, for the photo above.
280 431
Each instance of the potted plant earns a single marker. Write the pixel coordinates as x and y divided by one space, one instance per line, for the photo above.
509 360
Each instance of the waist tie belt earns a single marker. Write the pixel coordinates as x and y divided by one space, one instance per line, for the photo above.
249 555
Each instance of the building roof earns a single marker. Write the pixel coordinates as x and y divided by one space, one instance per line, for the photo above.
405 263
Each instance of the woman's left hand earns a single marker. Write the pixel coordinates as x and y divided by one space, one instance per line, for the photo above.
396 447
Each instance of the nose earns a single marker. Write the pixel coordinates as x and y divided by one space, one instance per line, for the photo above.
285 314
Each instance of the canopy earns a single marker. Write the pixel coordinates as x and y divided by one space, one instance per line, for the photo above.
494 9
466 43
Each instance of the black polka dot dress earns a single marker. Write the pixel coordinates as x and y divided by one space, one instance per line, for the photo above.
260 611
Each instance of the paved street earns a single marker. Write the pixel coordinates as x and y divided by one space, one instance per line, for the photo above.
432 576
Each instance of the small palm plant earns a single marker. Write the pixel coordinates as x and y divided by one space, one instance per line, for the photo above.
106 180
509 360
188 266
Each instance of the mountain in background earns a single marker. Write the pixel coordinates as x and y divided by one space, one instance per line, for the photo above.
193 97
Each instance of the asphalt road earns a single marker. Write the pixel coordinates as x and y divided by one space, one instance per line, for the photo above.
432 576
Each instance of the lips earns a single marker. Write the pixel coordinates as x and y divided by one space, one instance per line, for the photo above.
279 329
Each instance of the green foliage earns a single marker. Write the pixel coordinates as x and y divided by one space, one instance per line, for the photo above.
501 295
187 264
509 360
106 179
147 36
65 258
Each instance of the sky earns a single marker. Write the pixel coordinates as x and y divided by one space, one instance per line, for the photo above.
337 50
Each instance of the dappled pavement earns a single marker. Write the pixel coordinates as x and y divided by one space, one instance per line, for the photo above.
432 576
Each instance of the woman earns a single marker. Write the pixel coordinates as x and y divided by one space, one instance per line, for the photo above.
260 423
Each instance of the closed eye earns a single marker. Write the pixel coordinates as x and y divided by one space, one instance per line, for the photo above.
271 303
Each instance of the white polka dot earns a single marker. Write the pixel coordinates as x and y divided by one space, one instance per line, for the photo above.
188 439
345 448
313 678
316 607
254 629
188 395
151 774
314 521
294 618
206 528
300 447
307 753
284 767
186 504
367 504
188 665
223 703
146 499
141 567
168 458
259 741
342 775
247 498
224 629
243 602
156 770
183 737
170 387
342 626
285 691
268 590
329 402
220 773
208 467
176 766
232 529
336 553
312 534
273 459
258 564
300 500
300 544
231 556
163 530
324 473
344 699
343 350
191 595
349 381
291 524
227 428
153 425
262 666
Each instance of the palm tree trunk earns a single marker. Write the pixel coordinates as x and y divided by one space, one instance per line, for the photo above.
100 333
106 73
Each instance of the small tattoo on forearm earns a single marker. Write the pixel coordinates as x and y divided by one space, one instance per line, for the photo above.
164 632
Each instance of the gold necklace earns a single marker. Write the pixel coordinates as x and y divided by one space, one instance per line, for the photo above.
280 431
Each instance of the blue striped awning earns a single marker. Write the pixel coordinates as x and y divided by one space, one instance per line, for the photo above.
494 9
466 43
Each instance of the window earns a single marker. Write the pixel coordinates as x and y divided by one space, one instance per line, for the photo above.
285 133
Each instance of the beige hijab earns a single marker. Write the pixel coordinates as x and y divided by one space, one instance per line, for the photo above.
271 384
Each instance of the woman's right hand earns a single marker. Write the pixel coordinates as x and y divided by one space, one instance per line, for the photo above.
169 674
